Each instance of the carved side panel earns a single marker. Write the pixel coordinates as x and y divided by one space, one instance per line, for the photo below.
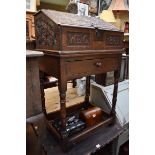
46 33
113 40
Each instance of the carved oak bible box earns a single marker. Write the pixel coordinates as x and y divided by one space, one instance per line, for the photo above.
65 31
76 46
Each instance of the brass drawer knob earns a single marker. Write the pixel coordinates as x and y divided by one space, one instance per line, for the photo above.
98 64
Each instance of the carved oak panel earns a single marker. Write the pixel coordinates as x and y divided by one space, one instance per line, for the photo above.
113 40
46 33
77 38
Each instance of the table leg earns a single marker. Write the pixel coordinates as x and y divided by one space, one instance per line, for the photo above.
87 94
114 144
62 86
114 100
41 74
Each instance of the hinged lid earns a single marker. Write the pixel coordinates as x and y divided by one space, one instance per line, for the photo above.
74 20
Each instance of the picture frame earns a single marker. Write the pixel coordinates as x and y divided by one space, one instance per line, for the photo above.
31 5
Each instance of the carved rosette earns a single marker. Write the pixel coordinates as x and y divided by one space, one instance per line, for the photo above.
113 40
45 32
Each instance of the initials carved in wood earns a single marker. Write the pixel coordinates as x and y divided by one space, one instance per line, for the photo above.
113 40
78 38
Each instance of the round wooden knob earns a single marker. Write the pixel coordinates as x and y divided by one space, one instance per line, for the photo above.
98 64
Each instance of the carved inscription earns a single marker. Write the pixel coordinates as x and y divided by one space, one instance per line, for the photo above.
113 40
78 38
45 33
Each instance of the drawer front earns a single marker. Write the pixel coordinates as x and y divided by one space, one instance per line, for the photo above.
76 69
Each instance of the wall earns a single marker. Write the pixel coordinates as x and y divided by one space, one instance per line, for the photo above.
124 17
51 6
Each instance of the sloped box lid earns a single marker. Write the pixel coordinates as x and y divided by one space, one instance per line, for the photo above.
74 20
102 97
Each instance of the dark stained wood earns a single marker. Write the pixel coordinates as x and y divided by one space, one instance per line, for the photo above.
105 79
87 94
74 83
126 68
114 99
75 47
33 95
65 31
30 44
41 75
50 84
51 147
101 79
33 146
79 137
74 108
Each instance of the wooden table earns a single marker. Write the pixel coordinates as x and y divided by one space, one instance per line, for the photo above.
74 47
66 66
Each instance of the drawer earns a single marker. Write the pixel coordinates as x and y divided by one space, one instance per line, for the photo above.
79 68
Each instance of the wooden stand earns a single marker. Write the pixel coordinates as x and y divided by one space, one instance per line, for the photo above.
74 47
67 67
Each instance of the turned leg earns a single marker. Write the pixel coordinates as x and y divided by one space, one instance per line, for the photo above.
62 85
114 100
87 94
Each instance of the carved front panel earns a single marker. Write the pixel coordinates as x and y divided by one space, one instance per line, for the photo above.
77 38
113 40
46 33
74 38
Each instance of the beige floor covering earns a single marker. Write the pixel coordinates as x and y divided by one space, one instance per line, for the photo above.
52 98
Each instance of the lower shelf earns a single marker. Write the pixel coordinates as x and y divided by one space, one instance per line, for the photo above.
69 141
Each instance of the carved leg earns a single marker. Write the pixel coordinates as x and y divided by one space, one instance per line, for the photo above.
114 100
62 85
63 108
87 94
